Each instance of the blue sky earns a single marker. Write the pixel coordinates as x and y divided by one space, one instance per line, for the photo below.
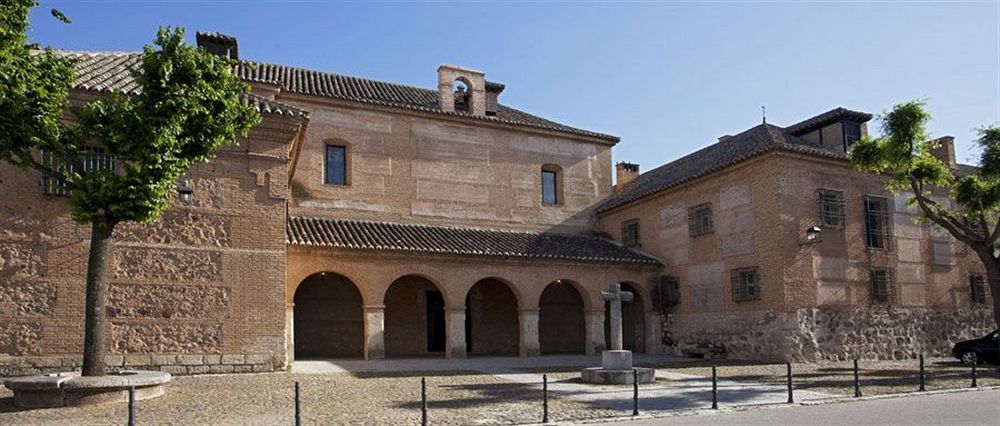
669 77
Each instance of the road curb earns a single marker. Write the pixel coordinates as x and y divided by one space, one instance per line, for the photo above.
778 406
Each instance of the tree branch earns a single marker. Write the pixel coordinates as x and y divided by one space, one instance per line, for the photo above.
956 228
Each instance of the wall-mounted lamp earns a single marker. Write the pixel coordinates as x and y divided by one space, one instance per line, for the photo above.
186 193
812 235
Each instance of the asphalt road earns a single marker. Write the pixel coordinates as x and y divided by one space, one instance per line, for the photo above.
960 408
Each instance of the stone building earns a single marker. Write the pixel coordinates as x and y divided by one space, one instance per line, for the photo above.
366 219
731 224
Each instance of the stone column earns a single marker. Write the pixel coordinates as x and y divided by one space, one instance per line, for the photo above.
595 331
289 333
528 333
374 332
455 326
653 333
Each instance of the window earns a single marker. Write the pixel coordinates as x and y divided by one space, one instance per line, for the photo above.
852 134
877 218
831 209
881 285
978 288
666 293
700 220
746 284
91 160
551 185
336 165
630 233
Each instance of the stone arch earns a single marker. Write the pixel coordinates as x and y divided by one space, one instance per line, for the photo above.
491 318
561 323
464 94
633 320
414 317
328 317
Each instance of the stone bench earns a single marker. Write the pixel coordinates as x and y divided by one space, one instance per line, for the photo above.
71 389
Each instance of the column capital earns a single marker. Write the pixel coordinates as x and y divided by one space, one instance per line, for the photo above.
374 307
529 311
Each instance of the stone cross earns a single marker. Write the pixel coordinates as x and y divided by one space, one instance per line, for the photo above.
615 296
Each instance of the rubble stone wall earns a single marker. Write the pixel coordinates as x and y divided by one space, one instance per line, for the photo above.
817 334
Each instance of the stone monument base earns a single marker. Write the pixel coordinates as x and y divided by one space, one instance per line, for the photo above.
71 389
616 369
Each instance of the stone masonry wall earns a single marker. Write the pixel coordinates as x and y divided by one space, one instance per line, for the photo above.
200 290
809 335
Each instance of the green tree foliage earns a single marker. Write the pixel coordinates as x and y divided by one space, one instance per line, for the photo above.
904 155
187 107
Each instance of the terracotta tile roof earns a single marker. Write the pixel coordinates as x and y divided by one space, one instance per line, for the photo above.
109 71
318 83
753 142
383 236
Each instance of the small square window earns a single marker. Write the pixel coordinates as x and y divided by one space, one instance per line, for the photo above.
700 220
336 165
831 208
630 233
746 284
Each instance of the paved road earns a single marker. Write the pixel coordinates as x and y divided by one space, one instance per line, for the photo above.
960 408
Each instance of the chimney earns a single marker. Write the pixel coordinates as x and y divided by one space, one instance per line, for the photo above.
473 100
492 93
625 173
218 44
945 150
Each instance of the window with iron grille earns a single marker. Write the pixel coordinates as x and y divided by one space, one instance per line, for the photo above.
978 287
881 281
94 159
700 220
877 223
831 208
746 284
630 233
666 293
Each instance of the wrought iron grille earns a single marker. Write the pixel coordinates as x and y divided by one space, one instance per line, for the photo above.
881 285
95 159
746 284
700 219
831 208
877 223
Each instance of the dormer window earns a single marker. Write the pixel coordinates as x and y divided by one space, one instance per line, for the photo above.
852 134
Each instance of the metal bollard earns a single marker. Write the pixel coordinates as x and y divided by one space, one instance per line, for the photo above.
298 406
545 398
788 367
635 392
974 376
923 379
715 390
857 381
131 406
423 401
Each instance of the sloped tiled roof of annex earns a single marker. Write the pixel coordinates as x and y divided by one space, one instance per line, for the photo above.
755 141
368 235
109 71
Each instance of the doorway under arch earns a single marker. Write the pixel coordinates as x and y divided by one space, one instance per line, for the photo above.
561 326
491 323
414 318
633 321
328 318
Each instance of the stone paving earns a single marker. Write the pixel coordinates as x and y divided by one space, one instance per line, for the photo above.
468 391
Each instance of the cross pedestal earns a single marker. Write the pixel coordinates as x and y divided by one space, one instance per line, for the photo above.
616 363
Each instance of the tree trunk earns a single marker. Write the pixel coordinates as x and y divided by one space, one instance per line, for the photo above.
97 288
992 265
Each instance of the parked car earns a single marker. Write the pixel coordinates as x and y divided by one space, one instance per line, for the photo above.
975 351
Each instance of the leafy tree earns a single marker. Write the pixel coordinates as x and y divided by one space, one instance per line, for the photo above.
904 155
187 107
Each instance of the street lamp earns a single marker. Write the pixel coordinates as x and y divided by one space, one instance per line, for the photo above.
186 193
812 235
